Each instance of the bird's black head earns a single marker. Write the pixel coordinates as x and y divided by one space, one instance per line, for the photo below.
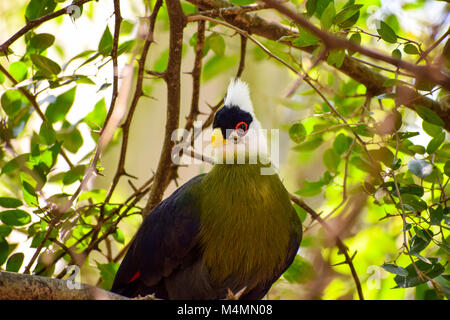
231 118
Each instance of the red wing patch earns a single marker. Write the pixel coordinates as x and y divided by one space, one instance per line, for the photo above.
136 275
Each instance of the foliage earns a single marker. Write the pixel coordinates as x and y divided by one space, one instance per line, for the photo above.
381 165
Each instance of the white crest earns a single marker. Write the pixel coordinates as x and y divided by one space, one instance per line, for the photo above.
238 95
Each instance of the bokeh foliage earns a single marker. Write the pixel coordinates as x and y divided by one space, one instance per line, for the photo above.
381 177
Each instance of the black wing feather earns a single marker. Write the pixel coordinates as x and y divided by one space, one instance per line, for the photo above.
165 240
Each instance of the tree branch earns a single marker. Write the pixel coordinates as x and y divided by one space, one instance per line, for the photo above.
177 22
371 79
332 42
37 22
16 286
342 247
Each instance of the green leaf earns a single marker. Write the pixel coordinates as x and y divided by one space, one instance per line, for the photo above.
392 82
297 132
395 269
355 38
74 174
38 8
336 57
411 189
47 133
242 2
331 160
350 21
97 195
300 271
302 214
413 203
118 236
15 217
410 49
7 202
406 135
96 118
386 32
217 65
72 139
383 154
431 129
397 54
217 44
29 195
312 144
107 273
435 143
41 41
4 251
125 47
436 215
364 130
420 168
420 240
430 270
321 7
305 39
417 149
341 143
326 20
18 70
106 43
310 189
161 64
447 168
46 65
429 115
4 231
11 102
57 110
15 262
364 165
310 7
346 13
15 163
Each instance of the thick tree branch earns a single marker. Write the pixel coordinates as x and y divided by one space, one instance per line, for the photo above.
373 80
177 22
16 286
138 93
332 42
196 73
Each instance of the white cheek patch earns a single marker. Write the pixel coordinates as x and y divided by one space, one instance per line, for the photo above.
250 148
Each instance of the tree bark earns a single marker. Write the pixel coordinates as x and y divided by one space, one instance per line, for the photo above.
371 79
17 286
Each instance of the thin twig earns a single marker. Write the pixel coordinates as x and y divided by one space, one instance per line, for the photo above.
37 22
342 247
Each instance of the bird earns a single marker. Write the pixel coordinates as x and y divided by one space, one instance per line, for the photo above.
231 230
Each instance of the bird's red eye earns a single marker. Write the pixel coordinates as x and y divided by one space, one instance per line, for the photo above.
241 128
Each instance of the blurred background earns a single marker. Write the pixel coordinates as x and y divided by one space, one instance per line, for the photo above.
374 240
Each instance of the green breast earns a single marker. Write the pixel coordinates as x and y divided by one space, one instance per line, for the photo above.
246 223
